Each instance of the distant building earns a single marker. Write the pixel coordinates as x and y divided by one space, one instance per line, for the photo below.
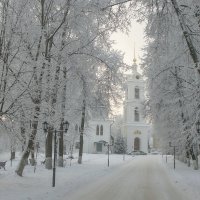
96 135
134 128
97 132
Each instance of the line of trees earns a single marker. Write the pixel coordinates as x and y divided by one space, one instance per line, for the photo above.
57 64
171 65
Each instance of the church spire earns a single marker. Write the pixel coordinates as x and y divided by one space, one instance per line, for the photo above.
134 59
134 62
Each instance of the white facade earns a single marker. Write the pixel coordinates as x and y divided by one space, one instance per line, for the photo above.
134 128
97 134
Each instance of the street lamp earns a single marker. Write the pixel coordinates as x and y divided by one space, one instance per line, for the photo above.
65 126
195 147
110 141
198 126
45 126
108 145
170 144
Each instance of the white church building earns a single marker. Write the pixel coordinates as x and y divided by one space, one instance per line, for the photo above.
134 128
97 136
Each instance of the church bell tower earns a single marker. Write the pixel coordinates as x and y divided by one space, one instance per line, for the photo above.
134 126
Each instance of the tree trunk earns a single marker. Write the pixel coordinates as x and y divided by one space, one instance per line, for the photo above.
195 164
23 160
26 153
54 101
23 134
12 155
60 157
81 133
188 162
48 149
194 159
23 129
32 160
186 34
61 139
188 158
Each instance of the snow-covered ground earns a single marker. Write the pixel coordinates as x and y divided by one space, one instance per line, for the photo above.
38 185
186 178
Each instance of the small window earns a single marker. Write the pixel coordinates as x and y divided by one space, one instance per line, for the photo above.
101 130
137 77
97 130
76 127
137 93
137 116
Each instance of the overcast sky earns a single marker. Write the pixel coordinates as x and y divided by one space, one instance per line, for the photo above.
125 43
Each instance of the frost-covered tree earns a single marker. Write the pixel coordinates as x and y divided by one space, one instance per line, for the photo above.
171 67
120 146
62 41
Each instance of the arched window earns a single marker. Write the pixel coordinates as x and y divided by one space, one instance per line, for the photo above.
76 127
126 93
101 130
97 130
137 92
137 116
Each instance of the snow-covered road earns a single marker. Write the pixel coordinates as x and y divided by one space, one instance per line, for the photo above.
137 178
143 178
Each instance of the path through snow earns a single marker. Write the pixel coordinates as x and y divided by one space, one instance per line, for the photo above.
144 178
137 178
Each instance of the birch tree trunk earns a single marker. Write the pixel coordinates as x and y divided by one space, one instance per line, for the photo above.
26 153
37 106
52 99
186 34
32 159
81 133
56 86
60 150
48 148
61 139
23 130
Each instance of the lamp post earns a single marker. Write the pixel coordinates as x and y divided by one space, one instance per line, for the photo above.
108 146
170 144
198 126
195 147
65 126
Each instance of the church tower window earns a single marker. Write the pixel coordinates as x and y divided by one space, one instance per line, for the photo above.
137 77
76 127
137 116
97 130
101 130
137 92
